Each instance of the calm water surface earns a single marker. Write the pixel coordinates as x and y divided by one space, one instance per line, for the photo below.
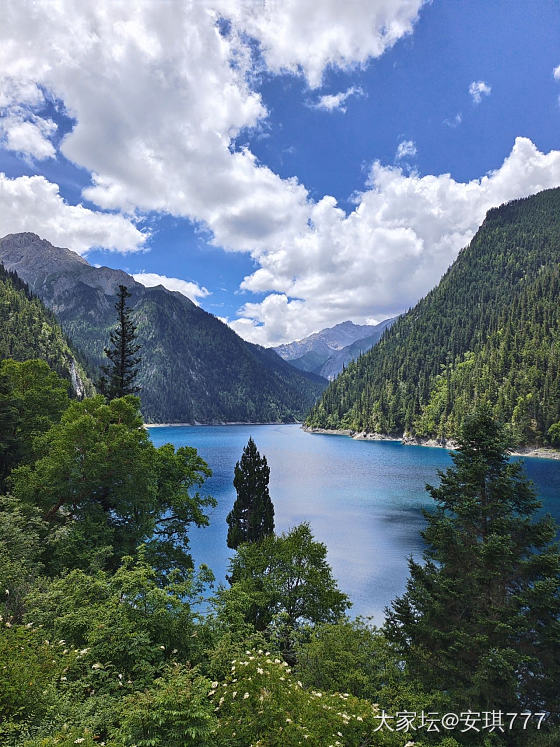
363 499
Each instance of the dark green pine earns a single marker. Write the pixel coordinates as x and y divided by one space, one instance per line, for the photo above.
252 516
119 375
480 617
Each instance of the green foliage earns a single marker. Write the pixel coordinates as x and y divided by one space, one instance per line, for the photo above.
32 399
22 532
348 656
28 330
488 333
125 627
261 702
66 737
554 435
481 617
281 583
252 516
29 664
105 489
174 712
119 376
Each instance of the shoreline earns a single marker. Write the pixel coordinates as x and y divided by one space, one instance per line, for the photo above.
211 425
533 452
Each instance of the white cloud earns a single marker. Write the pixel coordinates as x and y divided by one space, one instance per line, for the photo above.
157 101
381 258
406 149
31 203
336 101
308 36
478 89
30 138
556 73
193 291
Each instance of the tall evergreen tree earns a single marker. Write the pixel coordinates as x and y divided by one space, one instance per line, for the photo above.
8 425
481 617
119 376
252 516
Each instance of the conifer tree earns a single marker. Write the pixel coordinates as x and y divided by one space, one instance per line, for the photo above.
480 618
119 376
252 516
8 425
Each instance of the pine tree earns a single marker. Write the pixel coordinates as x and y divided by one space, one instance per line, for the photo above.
8 425
119 376
252 516
480 618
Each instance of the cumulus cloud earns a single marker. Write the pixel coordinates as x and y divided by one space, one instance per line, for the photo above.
337 101
193 291
478 89
31 203
159 91
556 73
380 259
28 136
308 36
405 149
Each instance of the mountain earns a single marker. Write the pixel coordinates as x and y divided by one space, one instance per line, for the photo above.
489 332
194 368
29 330
325 353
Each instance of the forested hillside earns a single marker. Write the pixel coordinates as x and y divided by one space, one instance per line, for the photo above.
489 332
193 367
29 330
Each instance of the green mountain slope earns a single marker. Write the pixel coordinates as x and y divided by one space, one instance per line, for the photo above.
29 330
490 331
194 368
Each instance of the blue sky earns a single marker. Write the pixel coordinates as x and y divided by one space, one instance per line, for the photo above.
286 169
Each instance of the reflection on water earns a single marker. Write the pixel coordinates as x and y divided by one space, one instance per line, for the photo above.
363 499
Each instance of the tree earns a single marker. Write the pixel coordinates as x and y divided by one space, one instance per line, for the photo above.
119 376
8 425
252 516
480 617
104 489
286 579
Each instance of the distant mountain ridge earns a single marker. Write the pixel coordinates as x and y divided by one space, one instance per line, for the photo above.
488 334
194 368
326 352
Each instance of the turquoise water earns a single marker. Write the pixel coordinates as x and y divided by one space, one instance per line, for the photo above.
363 499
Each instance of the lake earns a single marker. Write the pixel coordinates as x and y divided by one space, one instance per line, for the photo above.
363 499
